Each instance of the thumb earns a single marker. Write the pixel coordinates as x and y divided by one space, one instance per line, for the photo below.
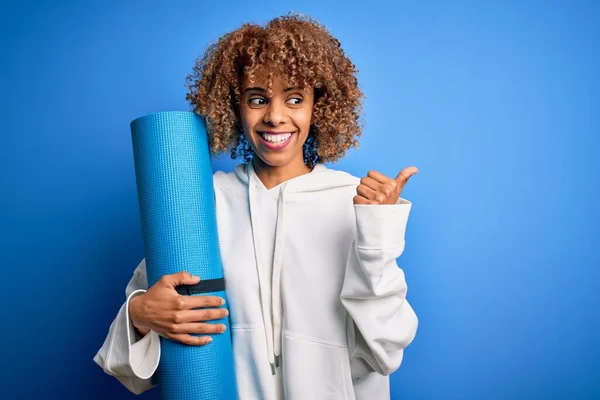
405 175
181 278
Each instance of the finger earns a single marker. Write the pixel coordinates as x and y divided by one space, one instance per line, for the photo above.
199 328
379 177
371 183
381 183
180 278
203 301
191 340
362 200
405 175
211 314
370 194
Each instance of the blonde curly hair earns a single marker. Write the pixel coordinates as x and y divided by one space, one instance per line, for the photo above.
292 46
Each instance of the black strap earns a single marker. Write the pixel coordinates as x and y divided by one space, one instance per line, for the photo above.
204 286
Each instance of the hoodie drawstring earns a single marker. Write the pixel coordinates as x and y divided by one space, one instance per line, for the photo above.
276 288
266 313
273 329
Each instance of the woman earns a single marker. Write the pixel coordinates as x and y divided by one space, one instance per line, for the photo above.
318 305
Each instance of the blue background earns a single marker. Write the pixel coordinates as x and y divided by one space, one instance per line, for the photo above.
497 103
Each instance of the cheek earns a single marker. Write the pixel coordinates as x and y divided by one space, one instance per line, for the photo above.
245 126
309 114
305 120
247 121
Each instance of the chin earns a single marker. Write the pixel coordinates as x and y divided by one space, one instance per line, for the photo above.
274 160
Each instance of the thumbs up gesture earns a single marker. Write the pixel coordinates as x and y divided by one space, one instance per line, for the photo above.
376 188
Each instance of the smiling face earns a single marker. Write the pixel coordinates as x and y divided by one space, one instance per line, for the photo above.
277 123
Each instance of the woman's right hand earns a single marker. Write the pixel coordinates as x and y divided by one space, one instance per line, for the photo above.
176 316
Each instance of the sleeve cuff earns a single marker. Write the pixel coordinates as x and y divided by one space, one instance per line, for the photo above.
381 226
144 353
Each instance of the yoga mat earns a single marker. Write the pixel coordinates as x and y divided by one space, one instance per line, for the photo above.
179 228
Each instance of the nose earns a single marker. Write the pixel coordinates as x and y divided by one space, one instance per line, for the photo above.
274 114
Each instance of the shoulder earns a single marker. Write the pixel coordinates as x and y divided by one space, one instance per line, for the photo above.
338 179
229 181
222 178
337 175
327 181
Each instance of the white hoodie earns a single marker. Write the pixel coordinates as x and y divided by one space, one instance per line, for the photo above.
317 304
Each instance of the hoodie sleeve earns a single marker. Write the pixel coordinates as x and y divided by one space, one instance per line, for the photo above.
382 322
130 359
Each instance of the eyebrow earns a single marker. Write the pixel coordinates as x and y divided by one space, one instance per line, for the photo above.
260 89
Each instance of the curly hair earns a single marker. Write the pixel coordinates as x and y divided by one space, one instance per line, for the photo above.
291 46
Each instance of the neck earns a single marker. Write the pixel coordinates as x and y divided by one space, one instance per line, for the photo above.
272 176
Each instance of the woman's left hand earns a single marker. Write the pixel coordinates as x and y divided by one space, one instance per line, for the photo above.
376 188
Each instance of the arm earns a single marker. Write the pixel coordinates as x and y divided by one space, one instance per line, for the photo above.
124 355
158 311
374 292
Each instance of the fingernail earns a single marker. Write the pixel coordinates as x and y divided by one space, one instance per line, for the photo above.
209 340
223 328
226 313
222 301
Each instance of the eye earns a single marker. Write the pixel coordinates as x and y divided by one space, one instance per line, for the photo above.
295 101
257 101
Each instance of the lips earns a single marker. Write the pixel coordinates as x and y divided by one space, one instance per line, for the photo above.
275 140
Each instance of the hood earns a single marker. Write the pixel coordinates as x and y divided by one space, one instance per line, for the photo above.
319 179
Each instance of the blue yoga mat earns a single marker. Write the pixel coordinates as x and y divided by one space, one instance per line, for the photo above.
179 229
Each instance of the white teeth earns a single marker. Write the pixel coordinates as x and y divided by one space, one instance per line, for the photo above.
276 139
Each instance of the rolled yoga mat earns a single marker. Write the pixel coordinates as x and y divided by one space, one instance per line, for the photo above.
179 229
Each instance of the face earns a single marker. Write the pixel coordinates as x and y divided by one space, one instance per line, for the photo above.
276 125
